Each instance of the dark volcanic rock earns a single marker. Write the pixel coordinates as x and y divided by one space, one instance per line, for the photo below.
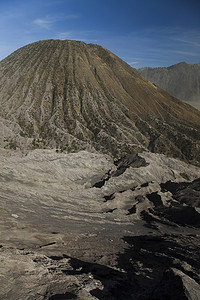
184 192
155 198
182 215
134 161
161 267
176 285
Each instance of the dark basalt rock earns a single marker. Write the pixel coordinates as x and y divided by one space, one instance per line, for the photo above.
155 198
184 192
131 160
156 267
122 164
176 285
182 215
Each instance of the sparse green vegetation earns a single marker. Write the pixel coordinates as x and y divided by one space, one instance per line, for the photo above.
185 176
22 134
38 143
11 145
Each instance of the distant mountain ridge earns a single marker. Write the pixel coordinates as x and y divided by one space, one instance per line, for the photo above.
182 80
70 95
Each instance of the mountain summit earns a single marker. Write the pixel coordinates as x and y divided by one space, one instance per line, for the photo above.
70 95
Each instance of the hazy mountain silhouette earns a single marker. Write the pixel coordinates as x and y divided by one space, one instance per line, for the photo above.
181 80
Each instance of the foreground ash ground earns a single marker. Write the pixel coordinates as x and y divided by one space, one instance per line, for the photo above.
82 226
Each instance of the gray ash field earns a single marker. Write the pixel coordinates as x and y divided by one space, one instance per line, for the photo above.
79 226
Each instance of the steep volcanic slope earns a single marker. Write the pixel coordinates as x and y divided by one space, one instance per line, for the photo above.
181 80
70 95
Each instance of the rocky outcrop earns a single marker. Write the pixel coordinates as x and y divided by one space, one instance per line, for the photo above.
181 80
64 236
73 96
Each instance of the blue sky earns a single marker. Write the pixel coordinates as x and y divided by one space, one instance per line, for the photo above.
141 32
